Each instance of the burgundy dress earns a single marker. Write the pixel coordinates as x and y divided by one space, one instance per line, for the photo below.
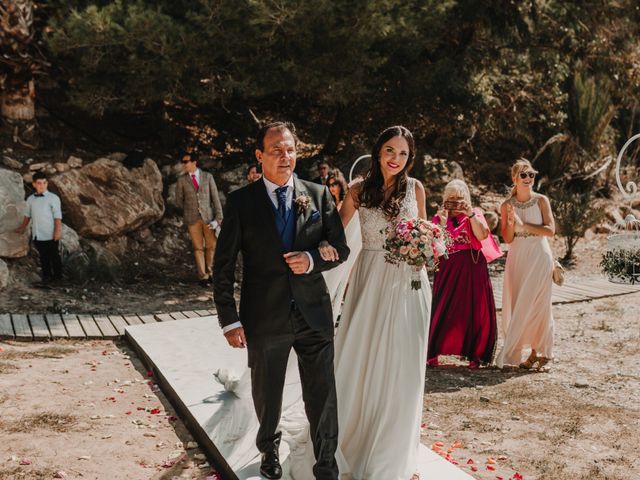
463 311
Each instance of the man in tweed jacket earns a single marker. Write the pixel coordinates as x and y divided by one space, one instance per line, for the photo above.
197 196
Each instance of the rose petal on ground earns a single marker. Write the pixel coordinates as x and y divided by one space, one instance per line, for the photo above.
60 474
25 461
470 461
474 468
491 467
491 460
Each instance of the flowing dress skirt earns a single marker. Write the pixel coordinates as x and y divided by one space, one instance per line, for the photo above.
381 347
527 319
463 312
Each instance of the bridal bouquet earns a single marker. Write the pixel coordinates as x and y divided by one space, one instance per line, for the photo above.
417 243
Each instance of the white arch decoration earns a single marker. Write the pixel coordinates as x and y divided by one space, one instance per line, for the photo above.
630 190
361 157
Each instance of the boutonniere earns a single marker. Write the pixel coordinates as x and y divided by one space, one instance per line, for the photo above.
302 202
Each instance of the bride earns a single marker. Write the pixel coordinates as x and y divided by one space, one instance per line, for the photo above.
381 342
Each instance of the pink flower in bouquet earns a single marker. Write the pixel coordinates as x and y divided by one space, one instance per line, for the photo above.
417 243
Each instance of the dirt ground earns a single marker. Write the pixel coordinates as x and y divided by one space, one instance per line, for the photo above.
87 410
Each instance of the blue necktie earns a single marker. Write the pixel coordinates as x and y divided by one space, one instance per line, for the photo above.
281 195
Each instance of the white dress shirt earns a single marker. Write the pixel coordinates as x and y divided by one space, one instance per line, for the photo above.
43 211
271 190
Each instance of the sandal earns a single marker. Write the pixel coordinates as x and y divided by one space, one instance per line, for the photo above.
542 361
528 363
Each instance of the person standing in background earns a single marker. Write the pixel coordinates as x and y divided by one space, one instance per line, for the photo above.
527 316
323 171
253 173
44 210
197 197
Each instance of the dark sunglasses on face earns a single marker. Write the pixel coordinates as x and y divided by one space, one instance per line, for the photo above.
524 175
186 161
333 184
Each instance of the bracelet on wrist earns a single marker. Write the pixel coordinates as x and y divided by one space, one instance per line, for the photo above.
472 215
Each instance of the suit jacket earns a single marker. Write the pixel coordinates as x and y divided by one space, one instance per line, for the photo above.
268 285
319 181
203 203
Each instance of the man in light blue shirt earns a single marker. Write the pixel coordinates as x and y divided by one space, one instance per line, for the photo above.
43 210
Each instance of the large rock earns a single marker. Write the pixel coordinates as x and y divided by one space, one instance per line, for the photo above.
70 242
12 209
436 173
104 198
4 275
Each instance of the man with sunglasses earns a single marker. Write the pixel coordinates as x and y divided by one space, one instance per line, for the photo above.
197 197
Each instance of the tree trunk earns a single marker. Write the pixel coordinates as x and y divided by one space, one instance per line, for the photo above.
17 87
335 133
17 103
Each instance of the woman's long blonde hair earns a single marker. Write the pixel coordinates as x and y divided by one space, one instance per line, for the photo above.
520 165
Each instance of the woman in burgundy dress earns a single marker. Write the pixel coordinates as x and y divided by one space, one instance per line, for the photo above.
463 312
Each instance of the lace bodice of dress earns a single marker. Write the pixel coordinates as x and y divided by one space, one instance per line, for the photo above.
373 222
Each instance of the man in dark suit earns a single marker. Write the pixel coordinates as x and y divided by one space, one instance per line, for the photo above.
277 223
323 172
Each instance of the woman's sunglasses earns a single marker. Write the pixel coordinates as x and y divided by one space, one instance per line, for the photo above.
524 175
187 161
332 184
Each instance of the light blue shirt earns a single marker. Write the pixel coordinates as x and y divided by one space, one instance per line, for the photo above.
42 211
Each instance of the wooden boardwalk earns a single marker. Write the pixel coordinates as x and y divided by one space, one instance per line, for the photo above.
48 326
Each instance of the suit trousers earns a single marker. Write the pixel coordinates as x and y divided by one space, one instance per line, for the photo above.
50 261
315 362
203 240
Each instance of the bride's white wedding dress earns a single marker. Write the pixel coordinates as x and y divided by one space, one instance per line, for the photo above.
381 349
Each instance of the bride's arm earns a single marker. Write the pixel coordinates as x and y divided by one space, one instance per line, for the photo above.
349 205
421 198
347 210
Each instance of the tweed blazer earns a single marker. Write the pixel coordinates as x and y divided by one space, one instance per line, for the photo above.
204 203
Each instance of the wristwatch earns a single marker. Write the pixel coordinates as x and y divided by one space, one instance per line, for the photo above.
472 215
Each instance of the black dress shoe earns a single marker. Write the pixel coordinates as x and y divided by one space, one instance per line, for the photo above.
204 282
270 466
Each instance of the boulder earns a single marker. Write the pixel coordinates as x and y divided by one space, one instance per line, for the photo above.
61 167
12 209
105 199
74 162
4 275
11 163
34 167
69 242
232 179
437 172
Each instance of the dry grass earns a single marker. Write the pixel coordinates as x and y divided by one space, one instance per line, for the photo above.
6 367
26 473
52 351
42 421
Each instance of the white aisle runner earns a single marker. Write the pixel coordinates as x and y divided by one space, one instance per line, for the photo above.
184 356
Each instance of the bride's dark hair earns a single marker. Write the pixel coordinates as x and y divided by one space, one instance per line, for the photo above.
372 188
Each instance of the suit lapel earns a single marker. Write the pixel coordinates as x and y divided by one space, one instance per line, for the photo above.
265 209
299 190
